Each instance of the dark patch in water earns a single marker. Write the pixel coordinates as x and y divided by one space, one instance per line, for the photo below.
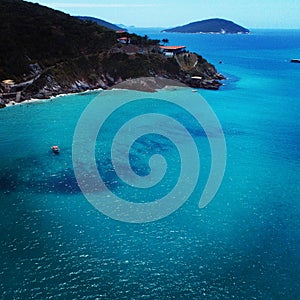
9 182
63 182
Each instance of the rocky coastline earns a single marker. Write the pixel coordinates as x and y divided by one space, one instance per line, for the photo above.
45 86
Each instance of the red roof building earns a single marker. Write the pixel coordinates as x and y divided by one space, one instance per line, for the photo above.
120 31
172 50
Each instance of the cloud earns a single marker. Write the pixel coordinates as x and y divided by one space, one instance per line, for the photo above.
98 5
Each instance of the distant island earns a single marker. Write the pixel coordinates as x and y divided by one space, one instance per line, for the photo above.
214 26
101 23
295 60
45 52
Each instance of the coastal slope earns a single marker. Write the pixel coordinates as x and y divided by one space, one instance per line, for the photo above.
220 26
45 52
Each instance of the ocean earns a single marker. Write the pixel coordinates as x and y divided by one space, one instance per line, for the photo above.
245 244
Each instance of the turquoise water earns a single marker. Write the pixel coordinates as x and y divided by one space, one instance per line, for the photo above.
243 245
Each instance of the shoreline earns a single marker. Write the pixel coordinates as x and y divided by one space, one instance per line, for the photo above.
35 100
142 84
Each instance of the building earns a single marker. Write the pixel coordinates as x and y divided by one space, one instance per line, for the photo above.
172 50
7 84
120 31
124 40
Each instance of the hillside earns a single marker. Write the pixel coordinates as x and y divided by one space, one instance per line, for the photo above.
101 22
209 26
47 52
30 33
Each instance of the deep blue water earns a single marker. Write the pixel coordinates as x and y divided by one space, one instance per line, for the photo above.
243 245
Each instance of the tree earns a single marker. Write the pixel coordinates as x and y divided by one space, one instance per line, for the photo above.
165 41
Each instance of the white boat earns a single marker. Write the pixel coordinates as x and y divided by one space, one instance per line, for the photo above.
55 149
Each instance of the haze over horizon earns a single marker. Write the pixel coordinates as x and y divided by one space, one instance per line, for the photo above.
155 13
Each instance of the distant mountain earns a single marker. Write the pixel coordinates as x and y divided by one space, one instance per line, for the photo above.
121 25
101 23
210 26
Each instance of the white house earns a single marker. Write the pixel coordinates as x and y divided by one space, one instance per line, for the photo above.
124 40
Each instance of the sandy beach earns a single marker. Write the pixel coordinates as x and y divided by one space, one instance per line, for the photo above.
148 84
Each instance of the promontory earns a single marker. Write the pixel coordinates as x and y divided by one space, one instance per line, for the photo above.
45 52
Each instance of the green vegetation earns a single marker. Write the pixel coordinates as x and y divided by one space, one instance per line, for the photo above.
140 65
31 33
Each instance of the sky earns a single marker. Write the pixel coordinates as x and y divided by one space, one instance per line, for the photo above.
170 13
